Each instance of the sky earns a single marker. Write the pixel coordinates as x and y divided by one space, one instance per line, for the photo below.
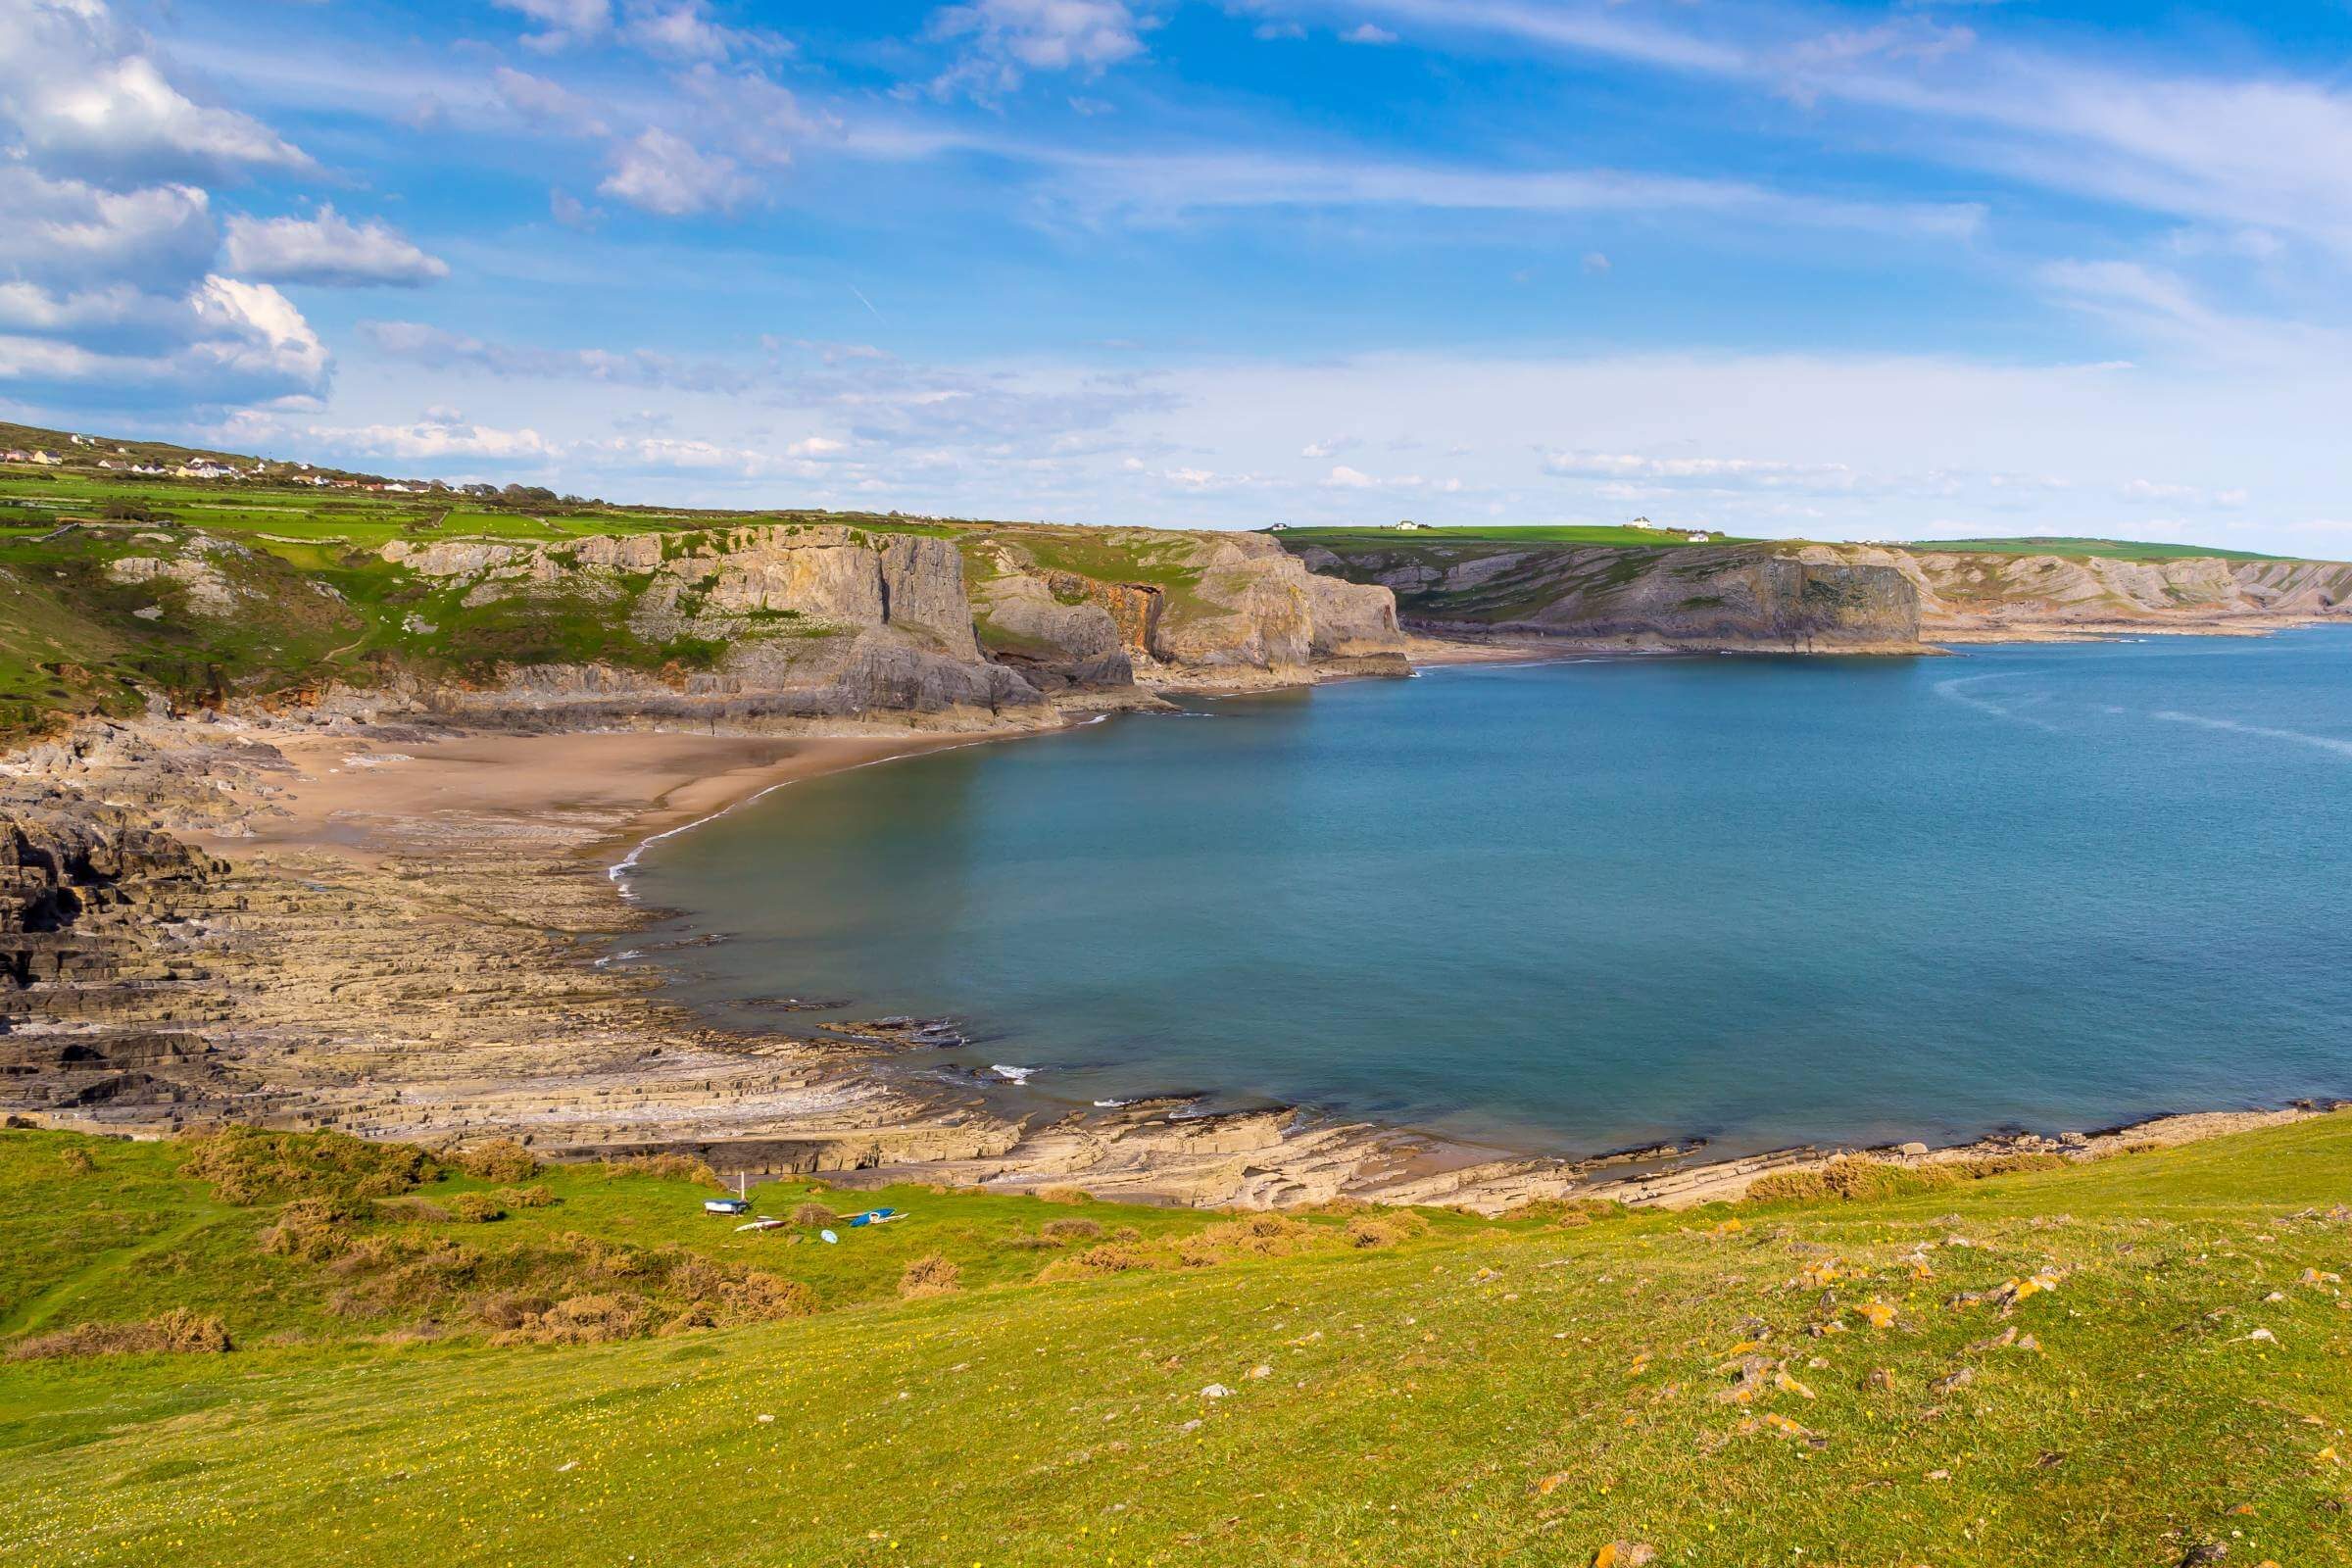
1833 270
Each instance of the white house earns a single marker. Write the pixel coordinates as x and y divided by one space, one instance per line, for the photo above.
1408 526
1701 537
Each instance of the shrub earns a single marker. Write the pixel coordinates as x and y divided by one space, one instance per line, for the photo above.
1096 1262
2008 1165
77 1160
668 1167
1069 1230
1060 1195
502 1159
1258 1235
535 1197
761 1298
178 1332
248 1165
314 1230
507 1309
581 1320
813 1216
475 1208
930 1276
1384 1230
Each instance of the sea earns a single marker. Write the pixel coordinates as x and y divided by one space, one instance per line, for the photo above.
1585 904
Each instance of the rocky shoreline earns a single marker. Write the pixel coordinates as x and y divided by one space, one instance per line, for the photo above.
355 920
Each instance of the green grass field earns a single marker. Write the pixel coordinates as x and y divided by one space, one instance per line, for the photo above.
1845 1382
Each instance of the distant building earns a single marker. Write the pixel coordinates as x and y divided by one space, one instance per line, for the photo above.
1701 536
47 459
1276 527
15 455
1408 526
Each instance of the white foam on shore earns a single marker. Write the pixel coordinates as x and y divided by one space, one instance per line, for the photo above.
1015 1075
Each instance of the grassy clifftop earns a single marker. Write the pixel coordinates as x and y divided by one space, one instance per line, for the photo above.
117 586
2130 1361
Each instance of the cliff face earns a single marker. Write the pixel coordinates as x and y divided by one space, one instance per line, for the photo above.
790 621
1824 597
1730 596
1965 594
1176 609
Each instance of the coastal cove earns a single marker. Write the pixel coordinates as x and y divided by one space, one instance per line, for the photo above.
1570 906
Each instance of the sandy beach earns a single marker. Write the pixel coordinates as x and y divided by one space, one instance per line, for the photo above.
358 796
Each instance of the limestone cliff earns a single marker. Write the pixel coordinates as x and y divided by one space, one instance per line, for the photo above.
785 621
1179 607
1822 598
1966 594
1730 596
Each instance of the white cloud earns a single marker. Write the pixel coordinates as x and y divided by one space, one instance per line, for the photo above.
1365 33
2270 151
328 248
2150 303
1170 184
65 231
753 118
545 102
1712 473
2143 492
817 446
85 98
1343 477
225 341
1004 39
569 211
661 173
441 434
562 22
681 30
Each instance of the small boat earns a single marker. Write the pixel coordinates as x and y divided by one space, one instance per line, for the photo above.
726 1206
876 1217
763 1223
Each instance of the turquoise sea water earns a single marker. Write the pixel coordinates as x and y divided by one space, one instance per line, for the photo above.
1576 906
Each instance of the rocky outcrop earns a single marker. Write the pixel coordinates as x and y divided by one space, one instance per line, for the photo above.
1185 608
1969 594
783 622
95 1007
1735 596
1053 629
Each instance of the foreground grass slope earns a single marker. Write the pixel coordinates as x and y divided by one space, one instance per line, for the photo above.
2134 1361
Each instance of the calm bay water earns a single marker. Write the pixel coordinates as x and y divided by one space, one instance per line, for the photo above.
1575 907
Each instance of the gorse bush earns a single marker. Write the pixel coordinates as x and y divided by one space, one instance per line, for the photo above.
930 1276
502 1159
177 1332
252 1166
668 1167
1859 1178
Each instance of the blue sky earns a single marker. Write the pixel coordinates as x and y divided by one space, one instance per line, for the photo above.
1839 271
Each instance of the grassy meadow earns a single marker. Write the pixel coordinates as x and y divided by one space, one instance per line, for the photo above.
2141 1361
